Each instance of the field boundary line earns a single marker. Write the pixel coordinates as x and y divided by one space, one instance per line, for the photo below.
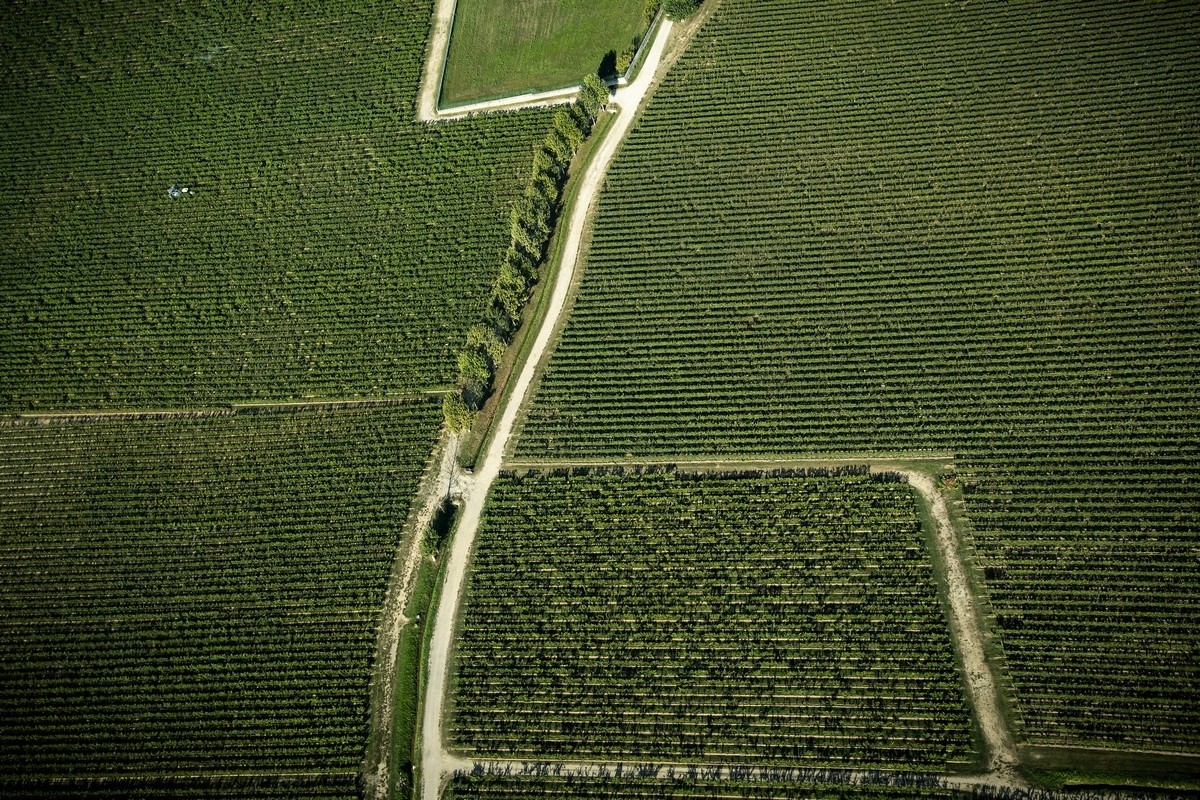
230 410
628 101
376 775
715 771
172 776
684 462
1185 755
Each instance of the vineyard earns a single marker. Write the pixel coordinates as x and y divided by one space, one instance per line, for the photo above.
667 616
195 596
893 229
229 203
684 788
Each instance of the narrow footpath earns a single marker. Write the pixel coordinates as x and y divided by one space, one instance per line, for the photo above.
435 765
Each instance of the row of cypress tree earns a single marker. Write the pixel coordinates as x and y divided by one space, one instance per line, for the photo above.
531 222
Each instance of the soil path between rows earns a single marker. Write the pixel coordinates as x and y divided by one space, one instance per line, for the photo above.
627 101
435 61
966 627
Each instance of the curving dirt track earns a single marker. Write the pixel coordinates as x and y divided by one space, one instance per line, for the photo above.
434 761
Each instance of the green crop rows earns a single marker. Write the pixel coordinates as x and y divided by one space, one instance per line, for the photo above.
329 245
198 595
780 619
631 787
307 787
960 229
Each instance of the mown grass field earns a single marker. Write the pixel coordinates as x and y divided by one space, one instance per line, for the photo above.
933 229
198 596
675 617
328 246
508 48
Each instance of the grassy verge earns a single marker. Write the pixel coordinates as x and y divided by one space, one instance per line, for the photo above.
476 442
426 595
501 49
407 686
1076 768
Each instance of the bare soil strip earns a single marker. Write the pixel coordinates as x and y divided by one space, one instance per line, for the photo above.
895 462
435 61
966 628
725 772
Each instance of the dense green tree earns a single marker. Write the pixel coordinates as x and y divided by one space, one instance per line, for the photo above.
458 416
559 147
594 96
521 263
484 339
473 370
568 127
679 9
546 163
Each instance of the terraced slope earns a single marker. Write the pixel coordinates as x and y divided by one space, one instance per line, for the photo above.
328 244
675 617
878 228
189 605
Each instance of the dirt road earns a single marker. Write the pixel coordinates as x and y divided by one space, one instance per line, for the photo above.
627 101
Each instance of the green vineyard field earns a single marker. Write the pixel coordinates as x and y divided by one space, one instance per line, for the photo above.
667 616
631 787
328 245
197 595
929 228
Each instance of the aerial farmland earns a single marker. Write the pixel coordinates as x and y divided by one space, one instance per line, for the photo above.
639 399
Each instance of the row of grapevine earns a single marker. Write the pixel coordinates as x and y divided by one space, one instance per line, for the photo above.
312 786
949 229
327 244
781 619
198 595
633 788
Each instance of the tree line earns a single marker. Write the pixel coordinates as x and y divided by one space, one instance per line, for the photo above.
531 222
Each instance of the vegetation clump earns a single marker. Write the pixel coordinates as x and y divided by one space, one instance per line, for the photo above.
531 223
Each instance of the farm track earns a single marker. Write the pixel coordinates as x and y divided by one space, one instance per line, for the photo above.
966 628
376 777
435 65
627 100
435 61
